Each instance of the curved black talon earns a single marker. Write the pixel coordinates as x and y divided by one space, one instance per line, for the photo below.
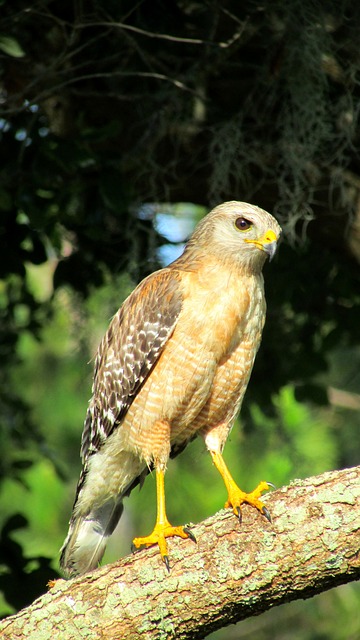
266 513
271 484
133 548
166 563
190 534
239 514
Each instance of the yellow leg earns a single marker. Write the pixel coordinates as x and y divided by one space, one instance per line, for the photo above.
163 528
237 497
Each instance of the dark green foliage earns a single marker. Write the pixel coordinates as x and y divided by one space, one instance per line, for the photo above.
22 579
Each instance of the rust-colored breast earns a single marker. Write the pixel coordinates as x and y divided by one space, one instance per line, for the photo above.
202 373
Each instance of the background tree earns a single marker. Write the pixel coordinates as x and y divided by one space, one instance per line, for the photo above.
109 106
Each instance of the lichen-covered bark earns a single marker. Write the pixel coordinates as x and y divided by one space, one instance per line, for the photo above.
232 573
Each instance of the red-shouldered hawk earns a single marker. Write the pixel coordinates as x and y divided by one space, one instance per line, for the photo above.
175 362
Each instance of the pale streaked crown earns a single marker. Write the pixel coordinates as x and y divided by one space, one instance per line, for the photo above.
222 232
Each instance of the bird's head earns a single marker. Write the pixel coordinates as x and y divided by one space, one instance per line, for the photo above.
239 231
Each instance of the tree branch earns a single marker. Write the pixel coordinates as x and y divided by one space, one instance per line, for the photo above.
232 573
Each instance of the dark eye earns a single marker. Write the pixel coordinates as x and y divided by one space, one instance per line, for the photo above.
243 224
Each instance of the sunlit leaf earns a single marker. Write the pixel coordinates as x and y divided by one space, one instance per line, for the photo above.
11 47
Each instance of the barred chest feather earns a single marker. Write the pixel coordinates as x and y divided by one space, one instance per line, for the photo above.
202 374
236 338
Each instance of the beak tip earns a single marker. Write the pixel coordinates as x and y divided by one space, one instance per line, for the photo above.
270 249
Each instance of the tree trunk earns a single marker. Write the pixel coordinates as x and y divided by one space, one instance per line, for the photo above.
233 572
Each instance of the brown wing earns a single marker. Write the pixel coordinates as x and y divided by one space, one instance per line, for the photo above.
128 352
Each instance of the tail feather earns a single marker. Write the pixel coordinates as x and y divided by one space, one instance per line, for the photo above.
87 538
95 516
91 525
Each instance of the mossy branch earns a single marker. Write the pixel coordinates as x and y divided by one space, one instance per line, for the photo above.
232 573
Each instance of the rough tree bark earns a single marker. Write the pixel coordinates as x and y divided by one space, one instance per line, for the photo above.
232 573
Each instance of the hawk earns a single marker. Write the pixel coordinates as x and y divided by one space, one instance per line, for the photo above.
174 363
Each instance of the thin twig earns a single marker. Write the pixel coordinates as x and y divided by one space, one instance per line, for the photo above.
164 36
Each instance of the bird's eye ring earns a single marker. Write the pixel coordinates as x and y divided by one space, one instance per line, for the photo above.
242 224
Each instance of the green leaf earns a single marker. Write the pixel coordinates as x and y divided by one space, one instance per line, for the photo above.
11 47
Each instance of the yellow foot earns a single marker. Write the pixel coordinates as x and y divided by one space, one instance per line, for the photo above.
159 535
236 498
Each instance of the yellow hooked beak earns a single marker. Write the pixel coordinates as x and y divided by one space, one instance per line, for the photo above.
267 243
